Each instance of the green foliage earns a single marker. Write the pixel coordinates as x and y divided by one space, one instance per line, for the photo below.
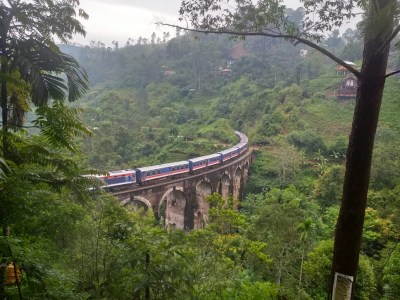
220 129
391 277
386 202
307 140
328 188
158 103
33 54
385 174
376 232
318 267
59 125
224 218
257 290
288 222
286 162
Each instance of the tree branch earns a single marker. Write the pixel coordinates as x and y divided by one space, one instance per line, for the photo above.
390 38
22 126
392 73
273 35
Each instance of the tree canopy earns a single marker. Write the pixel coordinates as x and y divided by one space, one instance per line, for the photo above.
268 18
29 54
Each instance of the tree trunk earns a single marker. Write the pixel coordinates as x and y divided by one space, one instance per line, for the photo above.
4 109
4 145
359 154
147 291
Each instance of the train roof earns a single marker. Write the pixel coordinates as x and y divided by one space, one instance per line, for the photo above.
121 172
155 167
229 150
112 173
242 136
204 157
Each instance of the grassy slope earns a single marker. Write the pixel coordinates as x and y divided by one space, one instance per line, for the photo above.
331 119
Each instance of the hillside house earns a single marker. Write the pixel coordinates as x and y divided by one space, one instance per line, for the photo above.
167 71
340 70
224 71
348 88
303 53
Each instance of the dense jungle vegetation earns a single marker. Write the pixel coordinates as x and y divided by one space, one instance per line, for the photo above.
157 100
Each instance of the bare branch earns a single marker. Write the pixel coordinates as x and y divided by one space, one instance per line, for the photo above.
390 38
293 38
392 73
22 126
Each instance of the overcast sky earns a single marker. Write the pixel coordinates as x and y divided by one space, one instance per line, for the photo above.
119 20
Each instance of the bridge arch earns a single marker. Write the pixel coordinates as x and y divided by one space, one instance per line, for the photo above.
203 189
137 202
172 208
246 171
237 183
224 185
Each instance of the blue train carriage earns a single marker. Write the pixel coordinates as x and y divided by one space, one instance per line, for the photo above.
243 138
229 153
117 178
204 161
147 174
242 147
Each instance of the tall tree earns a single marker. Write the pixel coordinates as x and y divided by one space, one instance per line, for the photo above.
268 18
29 54
33 69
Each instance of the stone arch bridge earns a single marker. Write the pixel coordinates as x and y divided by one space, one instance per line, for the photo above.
182 202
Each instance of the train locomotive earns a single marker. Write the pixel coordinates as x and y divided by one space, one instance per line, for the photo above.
144 175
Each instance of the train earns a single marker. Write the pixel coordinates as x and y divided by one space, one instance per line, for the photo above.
146 175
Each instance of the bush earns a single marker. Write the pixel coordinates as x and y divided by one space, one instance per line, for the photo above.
307 140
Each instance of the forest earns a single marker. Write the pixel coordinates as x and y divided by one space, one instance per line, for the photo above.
163 99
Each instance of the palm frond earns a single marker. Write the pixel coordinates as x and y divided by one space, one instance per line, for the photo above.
59 124
3 167
52 74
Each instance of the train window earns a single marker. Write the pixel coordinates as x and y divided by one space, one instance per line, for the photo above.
173 169
148 173
158 171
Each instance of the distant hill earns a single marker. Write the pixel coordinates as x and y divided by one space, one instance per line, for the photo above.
161 102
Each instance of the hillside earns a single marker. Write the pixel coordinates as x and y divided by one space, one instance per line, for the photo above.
157 101
164 102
